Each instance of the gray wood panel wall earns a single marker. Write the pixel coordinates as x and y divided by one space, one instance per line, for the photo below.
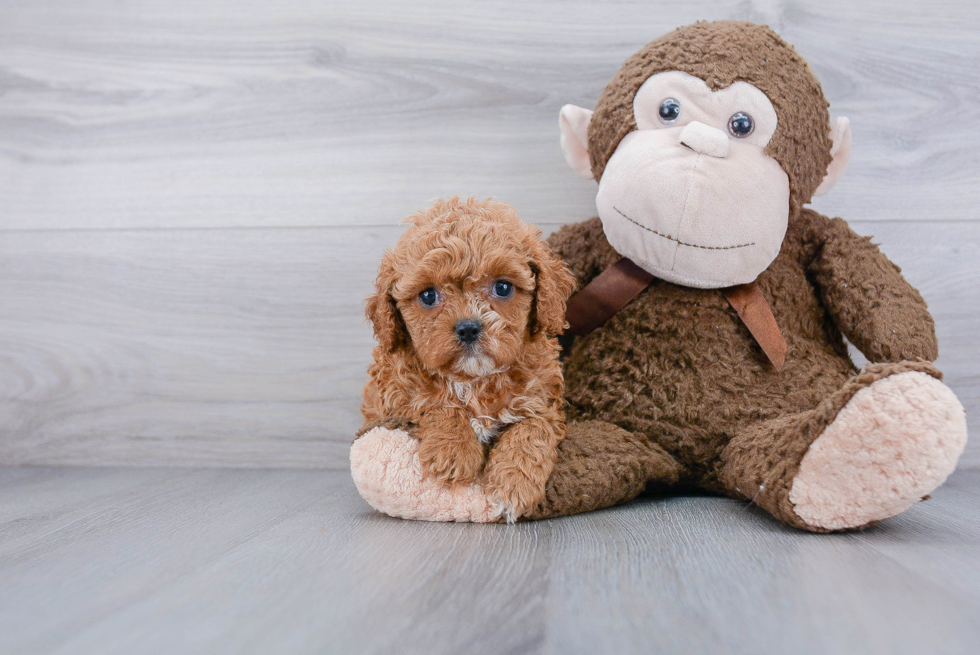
194 196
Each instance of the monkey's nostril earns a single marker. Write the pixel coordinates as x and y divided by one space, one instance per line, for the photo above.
468 330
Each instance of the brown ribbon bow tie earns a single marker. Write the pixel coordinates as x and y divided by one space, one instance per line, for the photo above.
591 307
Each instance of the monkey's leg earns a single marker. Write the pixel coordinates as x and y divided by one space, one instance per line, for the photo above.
599 465
869 451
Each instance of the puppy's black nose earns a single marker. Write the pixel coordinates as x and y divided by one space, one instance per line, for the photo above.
468 330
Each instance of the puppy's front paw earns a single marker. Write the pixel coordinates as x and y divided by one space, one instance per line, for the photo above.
512 490
456 461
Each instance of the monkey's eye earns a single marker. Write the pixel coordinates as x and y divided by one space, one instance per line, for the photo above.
429 297
503 289
741 125
670 109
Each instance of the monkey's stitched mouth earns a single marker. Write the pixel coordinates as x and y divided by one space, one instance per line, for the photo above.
678 241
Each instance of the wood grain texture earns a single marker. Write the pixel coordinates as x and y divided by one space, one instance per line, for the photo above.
249 347
195 195
240 347
259 561
190 114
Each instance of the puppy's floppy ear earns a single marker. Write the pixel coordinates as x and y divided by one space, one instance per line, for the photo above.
381 310
554 284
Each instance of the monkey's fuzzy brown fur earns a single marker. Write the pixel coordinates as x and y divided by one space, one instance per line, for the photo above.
459 397
678 367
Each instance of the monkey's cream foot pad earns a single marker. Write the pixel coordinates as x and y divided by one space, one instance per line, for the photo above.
894 442
386 470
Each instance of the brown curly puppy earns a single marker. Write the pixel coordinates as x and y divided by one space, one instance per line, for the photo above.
463 310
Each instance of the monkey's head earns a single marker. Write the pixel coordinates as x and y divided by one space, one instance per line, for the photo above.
704 143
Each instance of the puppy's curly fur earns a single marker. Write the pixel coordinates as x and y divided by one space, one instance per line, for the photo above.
463 395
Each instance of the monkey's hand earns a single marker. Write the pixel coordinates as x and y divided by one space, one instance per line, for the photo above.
519 467
449 452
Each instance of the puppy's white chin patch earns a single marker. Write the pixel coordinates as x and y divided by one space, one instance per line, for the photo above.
476 365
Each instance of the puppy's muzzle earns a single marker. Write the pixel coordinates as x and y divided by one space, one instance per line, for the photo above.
468 330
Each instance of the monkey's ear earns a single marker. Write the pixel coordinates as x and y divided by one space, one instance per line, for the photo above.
840 132
381 310
574 124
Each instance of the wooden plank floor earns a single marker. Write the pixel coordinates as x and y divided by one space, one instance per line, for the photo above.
135 560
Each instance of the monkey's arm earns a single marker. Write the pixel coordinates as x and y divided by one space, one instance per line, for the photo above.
867 296
585 250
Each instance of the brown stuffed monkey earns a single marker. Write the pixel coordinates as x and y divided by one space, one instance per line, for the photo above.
713 308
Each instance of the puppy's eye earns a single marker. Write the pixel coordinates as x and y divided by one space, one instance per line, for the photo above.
429 297
503 289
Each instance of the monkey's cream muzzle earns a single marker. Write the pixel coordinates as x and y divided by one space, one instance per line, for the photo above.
692 209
